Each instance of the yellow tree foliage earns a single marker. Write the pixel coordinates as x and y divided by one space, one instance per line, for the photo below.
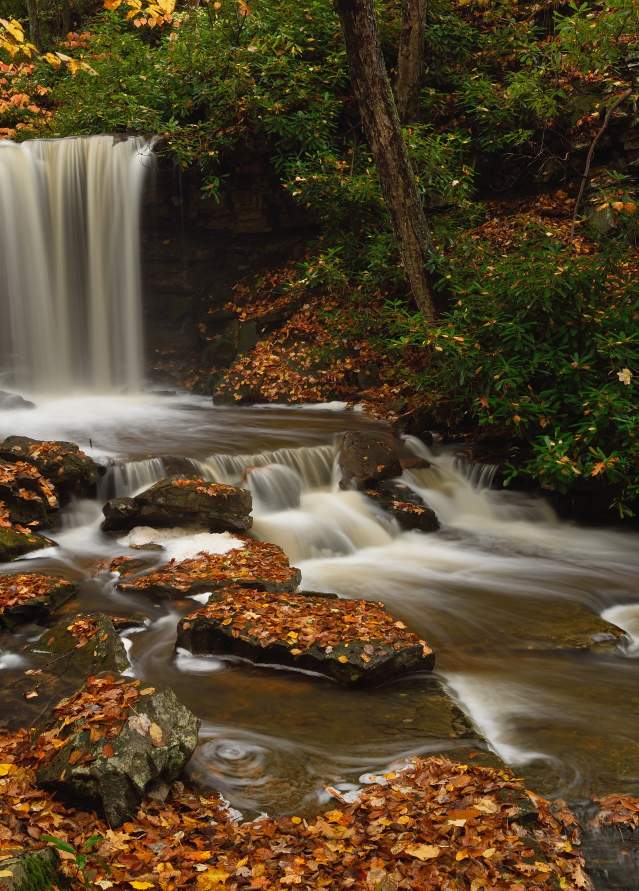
154 13
13 41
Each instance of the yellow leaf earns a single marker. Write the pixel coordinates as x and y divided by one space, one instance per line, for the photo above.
488 853
423 852
342 659
6 874
141 886
462 855
212 879
5 769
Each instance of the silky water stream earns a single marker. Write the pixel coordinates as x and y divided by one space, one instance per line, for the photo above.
499 592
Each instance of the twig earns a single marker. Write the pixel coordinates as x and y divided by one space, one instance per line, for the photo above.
591 152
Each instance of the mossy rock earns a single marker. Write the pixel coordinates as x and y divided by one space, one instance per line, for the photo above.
86 644
33 871
14 544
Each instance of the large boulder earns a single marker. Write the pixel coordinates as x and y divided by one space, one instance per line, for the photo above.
27 498
258 564
350 641
365 458
112 742
406 506
15 543
31 597
176 501
70 470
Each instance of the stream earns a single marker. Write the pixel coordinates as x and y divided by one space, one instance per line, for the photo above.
497 592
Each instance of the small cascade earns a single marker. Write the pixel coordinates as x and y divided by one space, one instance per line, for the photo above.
130 477
312 464
70 304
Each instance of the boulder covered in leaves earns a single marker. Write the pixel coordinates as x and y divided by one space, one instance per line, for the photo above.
70 470
179 501
406 506
27 498
112 742
350 641
365 458
16 542
32 597
258 564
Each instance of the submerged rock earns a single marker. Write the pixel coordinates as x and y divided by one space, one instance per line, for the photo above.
258 564
405 505
119 743
350 641
15 543
365 459
70 470
26 498
31 597
182 502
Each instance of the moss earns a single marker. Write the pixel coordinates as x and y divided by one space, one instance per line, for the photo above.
31 872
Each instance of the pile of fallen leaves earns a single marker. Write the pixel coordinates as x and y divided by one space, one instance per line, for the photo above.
617 810
14 476
18 590
101 707
305 621
435 825
257 564
204 488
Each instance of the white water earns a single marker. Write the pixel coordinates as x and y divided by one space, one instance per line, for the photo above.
70 313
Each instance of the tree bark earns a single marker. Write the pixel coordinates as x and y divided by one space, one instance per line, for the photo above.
410 59
377 109
34 23
66 16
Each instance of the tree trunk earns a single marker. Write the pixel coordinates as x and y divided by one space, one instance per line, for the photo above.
410 59
34 23
66 16
382 127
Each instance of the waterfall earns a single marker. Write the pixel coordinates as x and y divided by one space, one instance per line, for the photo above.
313 464
70 304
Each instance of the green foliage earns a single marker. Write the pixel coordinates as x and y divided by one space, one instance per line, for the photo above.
543 342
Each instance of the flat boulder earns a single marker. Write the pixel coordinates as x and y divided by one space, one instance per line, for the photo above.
364 459
349 641
259 565
15 542
32 597
70 470
27 498
405 505
113 742
177 501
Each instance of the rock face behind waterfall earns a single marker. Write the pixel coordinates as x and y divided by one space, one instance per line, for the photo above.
63 463
120 743
365 459
182 502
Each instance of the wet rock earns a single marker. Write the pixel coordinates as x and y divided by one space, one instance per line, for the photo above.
365 459
405 505
350 641
85 645
31 871
69 469
258 564
31 597
15 543
610 840
120 743
182 502
13 401
26 498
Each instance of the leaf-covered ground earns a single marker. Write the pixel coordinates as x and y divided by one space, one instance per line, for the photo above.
434 825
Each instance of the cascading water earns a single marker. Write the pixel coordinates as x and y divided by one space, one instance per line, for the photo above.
70 307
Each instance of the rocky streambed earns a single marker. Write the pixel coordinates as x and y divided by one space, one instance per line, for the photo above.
305 616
